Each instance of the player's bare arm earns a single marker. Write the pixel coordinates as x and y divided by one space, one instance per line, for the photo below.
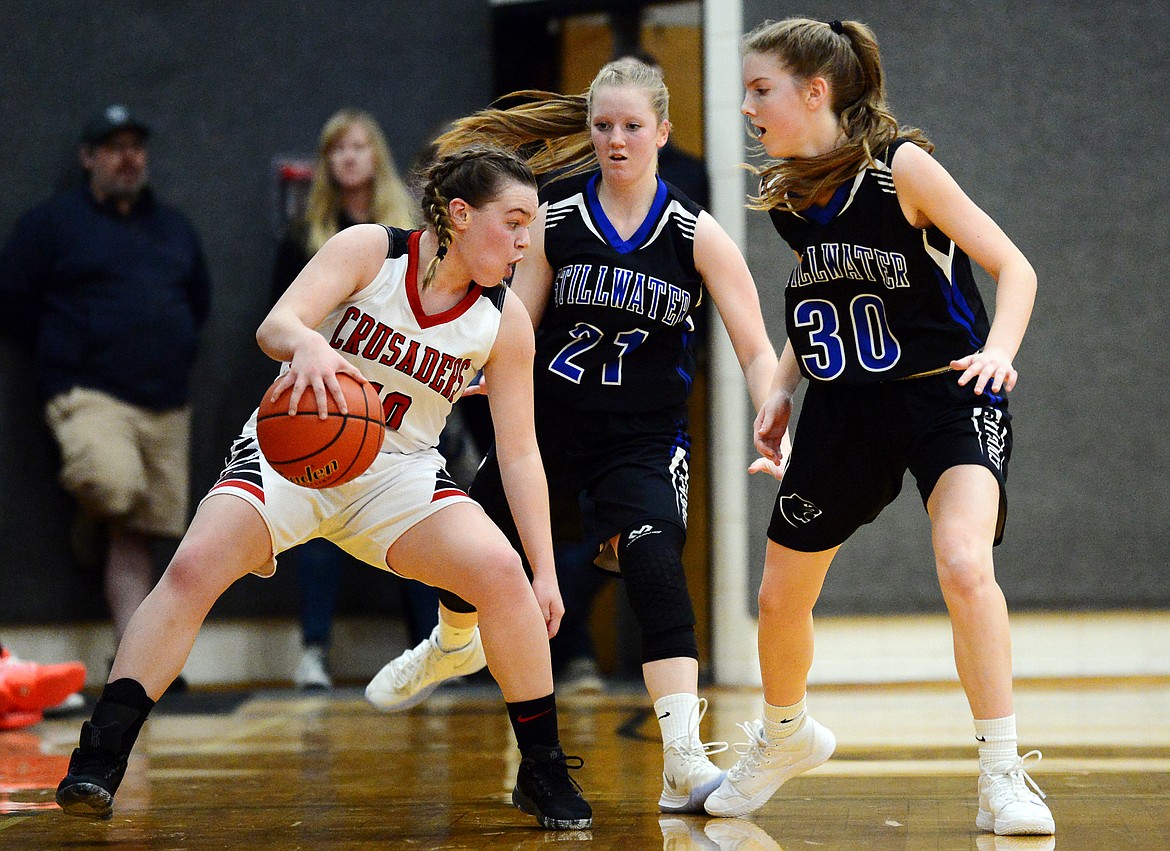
930 196
509 371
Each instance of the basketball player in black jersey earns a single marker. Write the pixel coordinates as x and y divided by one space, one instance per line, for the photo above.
882 312
618 265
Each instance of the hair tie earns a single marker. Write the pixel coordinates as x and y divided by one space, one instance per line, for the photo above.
441 252
836 27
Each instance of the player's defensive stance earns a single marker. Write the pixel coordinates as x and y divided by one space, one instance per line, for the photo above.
418 314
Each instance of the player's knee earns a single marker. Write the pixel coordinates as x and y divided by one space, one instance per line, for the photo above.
651 558
964 565
781 603
195 574
497 580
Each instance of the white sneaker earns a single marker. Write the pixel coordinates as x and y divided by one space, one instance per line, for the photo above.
740 836
688 775
312 673
991 842
763 768
68 706
1010 801
684 835
411 677
581 676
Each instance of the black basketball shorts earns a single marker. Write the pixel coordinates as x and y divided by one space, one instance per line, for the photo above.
605 472
854 444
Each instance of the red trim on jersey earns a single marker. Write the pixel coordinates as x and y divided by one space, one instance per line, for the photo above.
242 485
447 492
412 293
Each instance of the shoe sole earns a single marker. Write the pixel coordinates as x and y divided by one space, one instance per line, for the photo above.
1021 827
415 699
525 805
827 745
692 803
87 800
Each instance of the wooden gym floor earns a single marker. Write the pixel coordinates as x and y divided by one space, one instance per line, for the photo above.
280 770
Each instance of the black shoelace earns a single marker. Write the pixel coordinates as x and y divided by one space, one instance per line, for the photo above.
553 776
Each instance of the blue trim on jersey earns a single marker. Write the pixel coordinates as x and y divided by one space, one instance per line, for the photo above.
607 229
686 343
824 215
957 307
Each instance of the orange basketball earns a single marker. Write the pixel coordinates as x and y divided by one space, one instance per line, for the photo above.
322 453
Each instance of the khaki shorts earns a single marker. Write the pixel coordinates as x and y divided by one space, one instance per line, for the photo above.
124 462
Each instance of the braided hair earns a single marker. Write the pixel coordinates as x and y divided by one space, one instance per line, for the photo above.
846 54
476 174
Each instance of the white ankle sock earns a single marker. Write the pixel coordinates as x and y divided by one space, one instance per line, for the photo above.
676 714
997 740
453 637
780 722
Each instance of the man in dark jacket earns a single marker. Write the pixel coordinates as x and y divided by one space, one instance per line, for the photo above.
107 287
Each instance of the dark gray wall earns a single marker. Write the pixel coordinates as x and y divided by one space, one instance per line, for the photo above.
226 87
1051 116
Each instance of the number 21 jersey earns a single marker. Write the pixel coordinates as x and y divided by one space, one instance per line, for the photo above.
617 332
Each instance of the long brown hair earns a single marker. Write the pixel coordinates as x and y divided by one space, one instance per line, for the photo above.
476 174
391 203
846 54
551 131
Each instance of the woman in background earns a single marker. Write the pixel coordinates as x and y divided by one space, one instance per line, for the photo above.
354 182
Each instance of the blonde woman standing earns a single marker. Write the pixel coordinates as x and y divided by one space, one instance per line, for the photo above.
354 181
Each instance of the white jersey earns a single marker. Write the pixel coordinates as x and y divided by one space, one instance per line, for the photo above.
419 363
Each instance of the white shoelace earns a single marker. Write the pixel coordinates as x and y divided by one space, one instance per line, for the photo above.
407 671
683 743
1018 775
752 750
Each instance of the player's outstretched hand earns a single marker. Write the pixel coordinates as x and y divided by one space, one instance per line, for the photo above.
989 368
548 595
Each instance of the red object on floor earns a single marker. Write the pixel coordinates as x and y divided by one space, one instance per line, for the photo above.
31 687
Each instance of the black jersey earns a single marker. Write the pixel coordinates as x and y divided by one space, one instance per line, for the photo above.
617 332
874 298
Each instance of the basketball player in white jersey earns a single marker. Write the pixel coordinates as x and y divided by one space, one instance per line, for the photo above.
417 314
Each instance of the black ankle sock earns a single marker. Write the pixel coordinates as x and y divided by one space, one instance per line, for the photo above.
535 723
118 717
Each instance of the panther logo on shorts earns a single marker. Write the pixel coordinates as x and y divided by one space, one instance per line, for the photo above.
797 510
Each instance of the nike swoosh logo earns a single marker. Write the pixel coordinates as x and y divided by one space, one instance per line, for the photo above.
663 715
980 739
524 719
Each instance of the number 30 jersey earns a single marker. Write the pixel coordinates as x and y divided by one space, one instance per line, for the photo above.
617 332
874 298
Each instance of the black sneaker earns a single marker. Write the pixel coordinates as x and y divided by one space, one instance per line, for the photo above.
95 771
544 789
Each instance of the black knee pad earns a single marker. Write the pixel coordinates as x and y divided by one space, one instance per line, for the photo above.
650 554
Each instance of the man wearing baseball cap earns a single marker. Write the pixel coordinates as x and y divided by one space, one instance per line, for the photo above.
107 288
